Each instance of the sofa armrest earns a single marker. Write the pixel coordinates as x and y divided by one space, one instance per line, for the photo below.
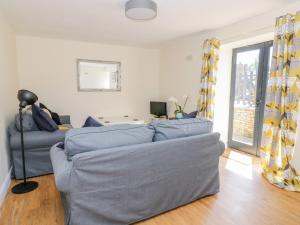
222 147
65 119
36 139
12 130
61 168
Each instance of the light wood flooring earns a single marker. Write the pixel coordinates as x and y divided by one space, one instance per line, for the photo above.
245 198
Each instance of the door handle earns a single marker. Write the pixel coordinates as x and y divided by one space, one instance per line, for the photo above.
258 101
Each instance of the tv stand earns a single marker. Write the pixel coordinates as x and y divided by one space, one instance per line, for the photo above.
161 117
120 120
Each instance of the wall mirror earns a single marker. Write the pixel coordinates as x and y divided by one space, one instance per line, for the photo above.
96 75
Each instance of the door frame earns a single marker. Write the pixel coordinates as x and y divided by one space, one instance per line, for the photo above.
261 86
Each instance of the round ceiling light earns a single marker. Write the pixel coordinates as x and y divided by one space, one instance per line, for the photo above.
141 9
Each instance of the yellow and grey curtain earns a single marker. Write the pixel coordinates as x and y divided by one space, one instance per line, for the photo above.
208 78
281 111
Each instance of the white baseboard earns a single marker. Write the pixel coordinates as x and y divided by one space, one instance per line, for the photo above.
4 187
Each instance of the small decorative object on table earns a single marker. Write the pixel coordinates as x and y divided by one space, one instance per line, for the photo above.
179 112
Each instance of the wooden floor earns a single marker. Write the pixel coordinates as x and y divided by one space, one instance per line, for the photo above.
245 198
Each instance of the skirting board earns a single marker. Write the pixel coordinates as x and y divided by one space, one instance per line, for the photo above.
5 186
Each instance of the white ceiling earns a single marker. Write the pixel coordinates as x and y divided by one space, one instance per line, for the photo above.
104 20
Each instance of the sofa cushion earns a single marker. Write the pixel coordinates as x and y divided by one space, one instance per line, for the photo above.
91 122
96 138
170 129
28 122
54 115
43 120
190 115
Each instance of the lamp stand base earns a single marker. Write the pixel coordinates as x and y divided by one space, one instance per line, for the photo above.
24 187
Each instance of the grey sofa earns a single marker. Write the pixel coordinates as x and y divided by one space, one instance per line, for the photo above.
170 165
37 147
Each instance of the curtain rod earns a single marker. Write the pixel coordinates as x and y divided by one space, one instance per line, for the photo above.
254 31
245 34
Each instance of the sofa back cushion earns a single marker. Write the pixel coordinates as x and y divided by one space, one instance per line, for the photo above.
28 122
96 138
171 129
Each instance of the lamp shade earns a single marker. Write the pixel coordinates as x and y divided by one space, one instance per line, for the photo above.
141 9
26 98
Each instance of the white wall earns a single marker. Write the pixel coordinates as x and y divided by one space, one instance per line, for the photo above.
181 62
48 68
8 93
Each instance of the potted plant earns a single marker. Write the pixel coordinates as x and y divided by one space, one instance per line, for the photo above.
179 112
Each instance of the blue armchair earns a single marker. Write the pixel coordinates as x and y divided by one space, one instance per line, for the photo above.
37 146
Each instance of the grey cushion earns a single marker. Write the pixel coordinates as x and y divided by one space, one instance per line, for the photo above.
170 129
96 138
28 122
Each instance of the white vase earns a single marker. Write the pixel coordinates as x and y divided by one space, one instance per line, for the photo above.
179 115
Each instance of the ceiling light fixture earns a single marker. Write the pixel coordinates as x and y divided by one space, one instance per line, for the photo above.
141 9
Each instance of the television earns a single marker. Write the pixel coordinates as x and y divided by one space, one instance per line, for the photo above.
158 109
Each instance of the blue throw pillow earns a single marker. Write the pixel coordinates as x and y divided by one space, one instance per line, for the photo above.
91 122
43 120
54 115
190 115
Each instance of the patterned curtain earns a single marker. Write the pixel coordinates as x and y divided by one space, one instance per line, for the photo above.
208 78
281 111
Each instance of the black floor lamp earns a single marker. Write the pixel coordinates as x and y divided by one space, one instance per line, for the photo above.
26 98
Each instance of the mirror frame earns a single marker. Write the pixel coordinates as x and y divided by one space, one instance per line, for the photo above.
99 89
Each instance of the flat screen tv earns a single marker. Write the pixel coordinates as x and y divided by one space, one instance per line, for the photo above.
158 109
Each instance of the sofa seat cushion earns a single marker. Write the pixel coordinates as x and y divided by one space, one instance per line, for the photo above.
171 129
36 139
96 138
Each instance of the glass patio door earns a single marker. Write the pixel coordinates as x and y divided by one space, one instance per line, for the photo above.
250 68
